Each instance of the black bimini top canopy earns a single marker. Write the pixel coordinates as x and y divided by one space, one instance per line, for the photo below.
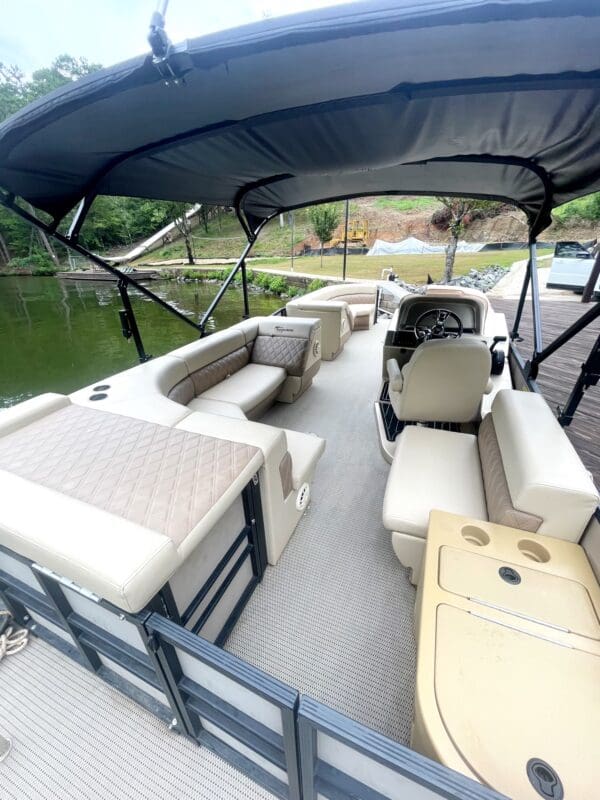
491 98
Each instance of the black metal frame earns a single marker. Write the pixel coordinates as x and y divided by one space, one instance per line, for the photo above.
321 778
162 635
590 370
241 265
89 641
197 702
129 325
53 604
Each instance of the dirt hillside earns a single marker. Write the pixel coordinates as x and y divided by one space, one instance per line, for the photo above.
394 219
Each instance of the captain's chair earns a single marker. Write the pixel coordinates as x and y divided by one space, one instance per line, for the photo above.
444 381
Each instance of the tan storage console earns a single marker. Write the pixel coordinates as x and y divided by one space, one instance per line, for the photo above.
508 671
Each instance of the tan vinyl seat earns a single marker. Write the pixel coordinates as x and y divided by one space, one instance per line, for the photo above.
342 309
120 505
444 381
361 315
249 388
431 469
521 470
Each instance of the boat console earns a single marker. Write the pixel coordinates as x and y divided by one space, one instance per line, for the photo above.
444 360
442 312
508 644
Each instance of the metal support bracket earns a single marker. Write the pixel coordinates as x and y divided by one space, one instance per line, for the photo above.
129 326
589 376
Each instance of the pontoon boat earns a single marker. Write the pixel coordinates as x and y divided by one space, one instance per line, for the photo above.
231 534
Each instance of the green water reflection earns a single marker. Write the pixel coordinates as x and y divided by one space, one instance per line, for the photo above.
57 335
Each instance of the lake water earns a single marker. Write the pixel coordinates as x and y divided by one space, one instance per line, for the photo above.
59 335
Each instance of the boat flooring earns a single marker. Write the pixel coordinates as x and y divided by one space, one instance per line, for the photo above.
334 618
76 738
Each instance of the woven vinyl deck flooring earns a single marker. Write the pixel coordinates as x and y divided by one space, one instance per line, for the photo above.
334 618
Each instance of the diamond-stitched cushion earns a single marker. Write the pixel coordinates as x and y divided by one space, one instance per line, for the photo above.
220 369
162 478
288 352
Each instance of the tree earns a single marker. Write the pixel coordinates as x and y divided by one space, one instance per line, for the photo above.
324 219
178 213
13 90
16 90
456 215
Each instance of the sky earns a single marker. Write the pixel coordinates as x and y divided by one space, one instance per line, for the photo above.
34 32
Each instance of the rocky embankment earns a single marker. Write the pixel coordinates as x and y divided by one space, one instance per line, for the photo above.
482 279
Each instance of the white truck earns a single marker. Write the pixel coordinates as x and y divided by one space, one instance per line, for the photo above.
571 267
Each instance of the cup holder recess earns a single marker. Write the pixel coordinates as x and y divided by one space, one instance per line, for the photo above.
475 535
534 551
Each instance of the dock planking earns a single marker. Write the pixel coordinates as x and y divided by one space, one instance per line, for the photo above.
558 374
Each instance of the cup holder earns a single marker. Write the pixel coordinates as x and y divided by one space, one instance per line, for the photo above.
534 551
475 535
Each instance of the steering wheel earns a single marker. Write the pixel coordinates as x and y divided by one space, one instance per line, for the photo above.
437 328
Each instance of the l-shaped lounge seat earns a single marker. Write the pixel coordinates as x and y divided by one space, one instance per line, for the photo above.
520 471
250 365
342 309
120 489
238 372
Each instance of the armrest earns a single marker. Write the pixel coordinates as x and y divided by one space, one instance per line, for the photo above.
394 375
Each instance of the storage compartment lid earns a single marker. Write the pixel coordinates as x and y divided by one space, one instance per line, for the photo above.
523 712
552 600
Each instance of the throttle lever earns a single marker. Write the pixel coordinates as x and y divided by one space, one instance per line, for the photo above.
497 340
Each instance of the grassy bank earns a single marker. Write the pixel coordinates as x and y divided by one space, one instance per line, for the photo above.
412 269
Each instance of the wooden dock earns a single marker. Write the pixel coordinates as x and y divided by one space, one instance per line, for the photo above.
558 374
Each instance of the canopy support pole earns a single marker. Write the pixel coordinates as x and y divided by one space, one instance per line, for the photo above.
535 299
564 337
245 291
589 376
515 331
345 241
590 286
590 369
530 279
129 324
241 265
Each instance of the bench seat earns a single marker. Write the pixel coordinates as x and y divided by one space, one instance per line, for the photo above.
520 470
342 309
362 315
120 505
250 365
431 469
250 388
113 503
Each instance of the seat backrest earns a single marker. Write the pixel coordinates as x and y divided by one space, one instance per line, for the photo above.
544 474
444 381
